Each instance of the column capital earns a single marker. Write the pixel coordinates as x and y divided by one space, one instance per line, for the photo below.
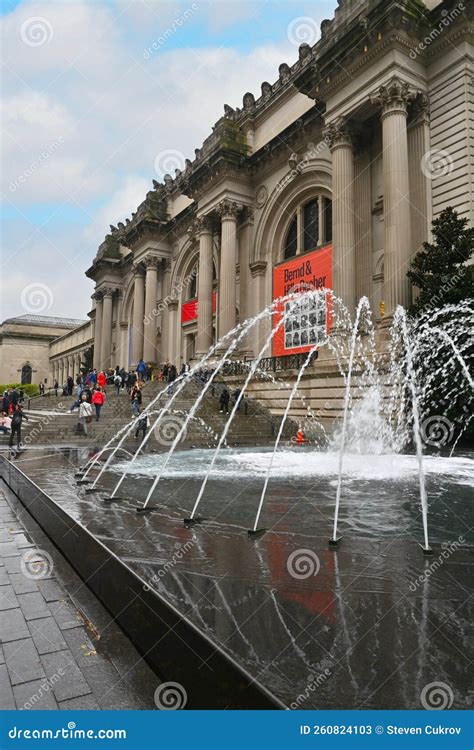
420 110
107 291
227 209
97 296
151 261
205 224
393 97
172 304
339 134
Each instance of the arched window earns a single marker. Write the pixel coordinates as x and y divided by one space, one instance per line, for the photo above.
291 242
310 228
192 289
26 372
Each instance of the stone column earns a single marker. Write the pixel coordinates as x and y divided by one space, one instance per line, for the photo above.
228 211
138 313
62 380
420 177
165 290
151 293
106 337
343 235
261 330
245 236
98 330
173 330
396 198
204 333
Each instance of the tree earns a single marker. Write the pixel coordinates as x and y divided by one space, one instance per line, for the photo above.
442 326
440 269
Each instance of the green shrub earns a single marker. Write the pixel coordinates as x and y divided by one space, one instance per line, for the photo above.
29 390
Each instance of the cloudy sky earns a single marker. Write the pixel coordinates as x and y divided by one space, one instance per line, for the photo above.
99 97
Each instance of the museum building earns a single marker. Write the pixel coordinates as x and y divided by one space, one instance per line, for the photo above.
330 177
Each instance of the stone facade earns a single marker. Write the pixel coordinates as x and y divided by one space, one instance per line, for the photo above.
358 144
27 344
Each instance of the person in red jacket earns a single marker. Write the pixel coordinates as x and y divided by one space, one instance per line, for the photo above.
98 398
101 379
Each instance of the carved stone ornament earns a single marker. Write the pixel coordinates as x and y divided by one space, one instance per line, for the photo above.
228 209
261 196
338 133
151 261
394 95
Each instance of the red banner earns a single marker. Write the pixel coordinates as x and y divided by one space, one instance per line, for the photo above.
307 322
189 309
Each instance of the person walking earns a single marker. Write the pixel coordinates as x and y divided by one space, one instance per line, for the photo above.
98 398
69 385
76 404
102 380
55 387
224 401
141 369
16 423
172 375
142 425
14 397
117 382
85 413
136 400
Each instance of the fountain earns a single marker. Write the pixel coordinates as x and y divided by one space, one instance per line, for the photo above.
375 420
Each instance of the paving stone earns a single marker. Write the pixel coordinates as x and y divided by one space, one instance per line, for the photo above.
23 661
8 598
7 701
65 615
4 579
23 585
13 625
21 540
8 549
110 689
13 564
5 535
33 606
51 590
46 635
83 703
72 683
82 648
35 696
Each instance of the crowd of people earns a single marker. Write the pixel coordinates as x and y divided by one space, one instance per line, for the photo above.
12 415
89 390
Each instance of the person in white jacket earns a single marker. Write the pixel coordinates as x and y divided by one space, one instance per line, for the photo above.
85 413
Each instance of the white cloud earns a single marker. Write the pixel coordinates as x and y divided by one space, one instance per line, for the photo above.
89 99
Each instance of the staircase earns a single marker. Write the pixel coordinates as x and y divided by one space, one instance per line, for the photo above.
50 423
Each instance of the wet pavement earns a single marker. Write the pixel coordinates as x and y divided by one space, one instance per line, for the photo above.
368 625
59 649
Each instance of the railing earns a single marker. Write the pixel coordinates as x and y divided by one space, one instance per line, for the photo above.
270 364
